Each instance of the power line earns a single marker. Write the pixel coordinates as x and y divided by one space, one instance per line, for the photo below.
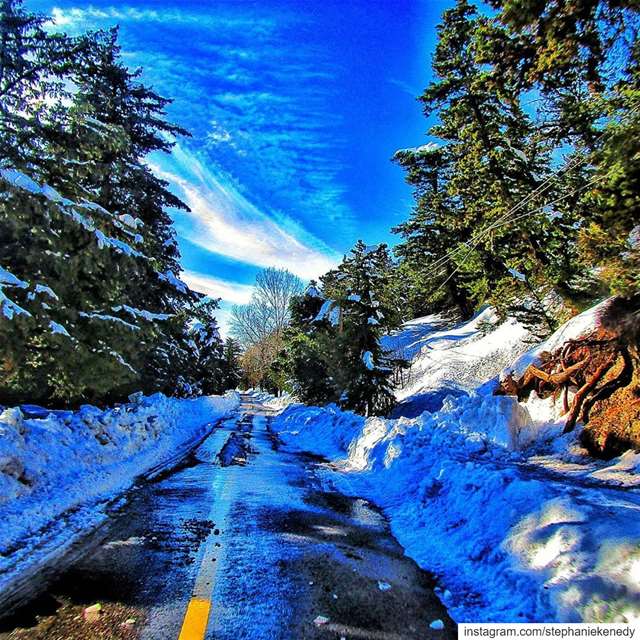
577 160
524 215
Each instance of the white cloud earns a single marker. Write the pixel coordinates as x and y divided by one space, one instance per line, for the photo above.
233 292
268 177
270 100
223 316
84 16
261 105
223 221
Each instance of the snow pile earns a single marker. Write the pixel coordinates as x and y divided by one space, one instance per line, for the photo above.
326 431
258 395
517 521
58 473
461 357
269 400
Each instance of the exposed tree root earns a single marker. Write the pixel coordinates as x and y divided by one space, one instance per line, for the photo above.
597 380
587 388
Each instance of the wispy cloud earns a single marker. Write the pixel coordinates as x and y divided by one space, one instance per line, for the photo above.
259 103
222 220
81 17
233 292
263 174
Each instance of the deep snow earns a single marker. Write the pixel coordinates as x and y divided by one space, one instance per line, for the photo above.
59 472
460 357
516 520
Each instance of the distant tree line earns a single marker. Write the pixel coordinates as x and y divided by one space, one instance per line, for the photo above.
527 195
91 305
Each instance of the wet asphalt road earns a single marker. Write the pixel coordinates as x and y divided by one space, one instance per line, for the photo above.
245 529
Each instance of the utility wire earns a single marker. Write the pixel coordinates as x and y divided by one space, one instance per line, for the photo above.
524 215
507 217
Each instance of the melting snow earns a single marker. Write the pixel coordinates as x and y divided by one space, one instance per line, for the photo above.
74 463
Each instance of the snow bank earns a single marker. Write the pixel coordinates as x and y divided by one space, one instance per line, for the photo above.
271 401
515 519
326 431
58 473
460 357
509 540
280 402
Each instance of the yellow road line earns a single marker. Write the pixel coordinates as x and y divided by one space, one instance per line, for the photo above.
199 609
196 619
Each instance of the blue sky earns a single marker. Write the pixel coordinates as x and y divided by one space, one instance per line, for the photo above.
295 110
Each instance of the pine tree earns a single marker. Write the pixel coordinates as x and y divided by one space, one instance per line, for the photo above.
609 240
231 369
86 235
62 250
582 58
208 372
117 99
69 346
301 361
362 290
333 352
571 53
33 65
425 240
470 191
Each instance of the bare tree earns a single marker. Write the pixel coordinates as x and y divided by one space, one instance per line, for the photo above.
259 325
268 311
250 323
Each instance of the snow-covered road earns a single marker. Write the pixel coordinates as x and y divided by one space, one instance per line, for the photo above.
242 541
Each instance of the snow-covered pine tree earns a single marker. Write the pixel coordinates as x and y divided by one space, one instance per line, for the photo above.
307 341
92 306
59 249
332 352
117 98
209 349
363 288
